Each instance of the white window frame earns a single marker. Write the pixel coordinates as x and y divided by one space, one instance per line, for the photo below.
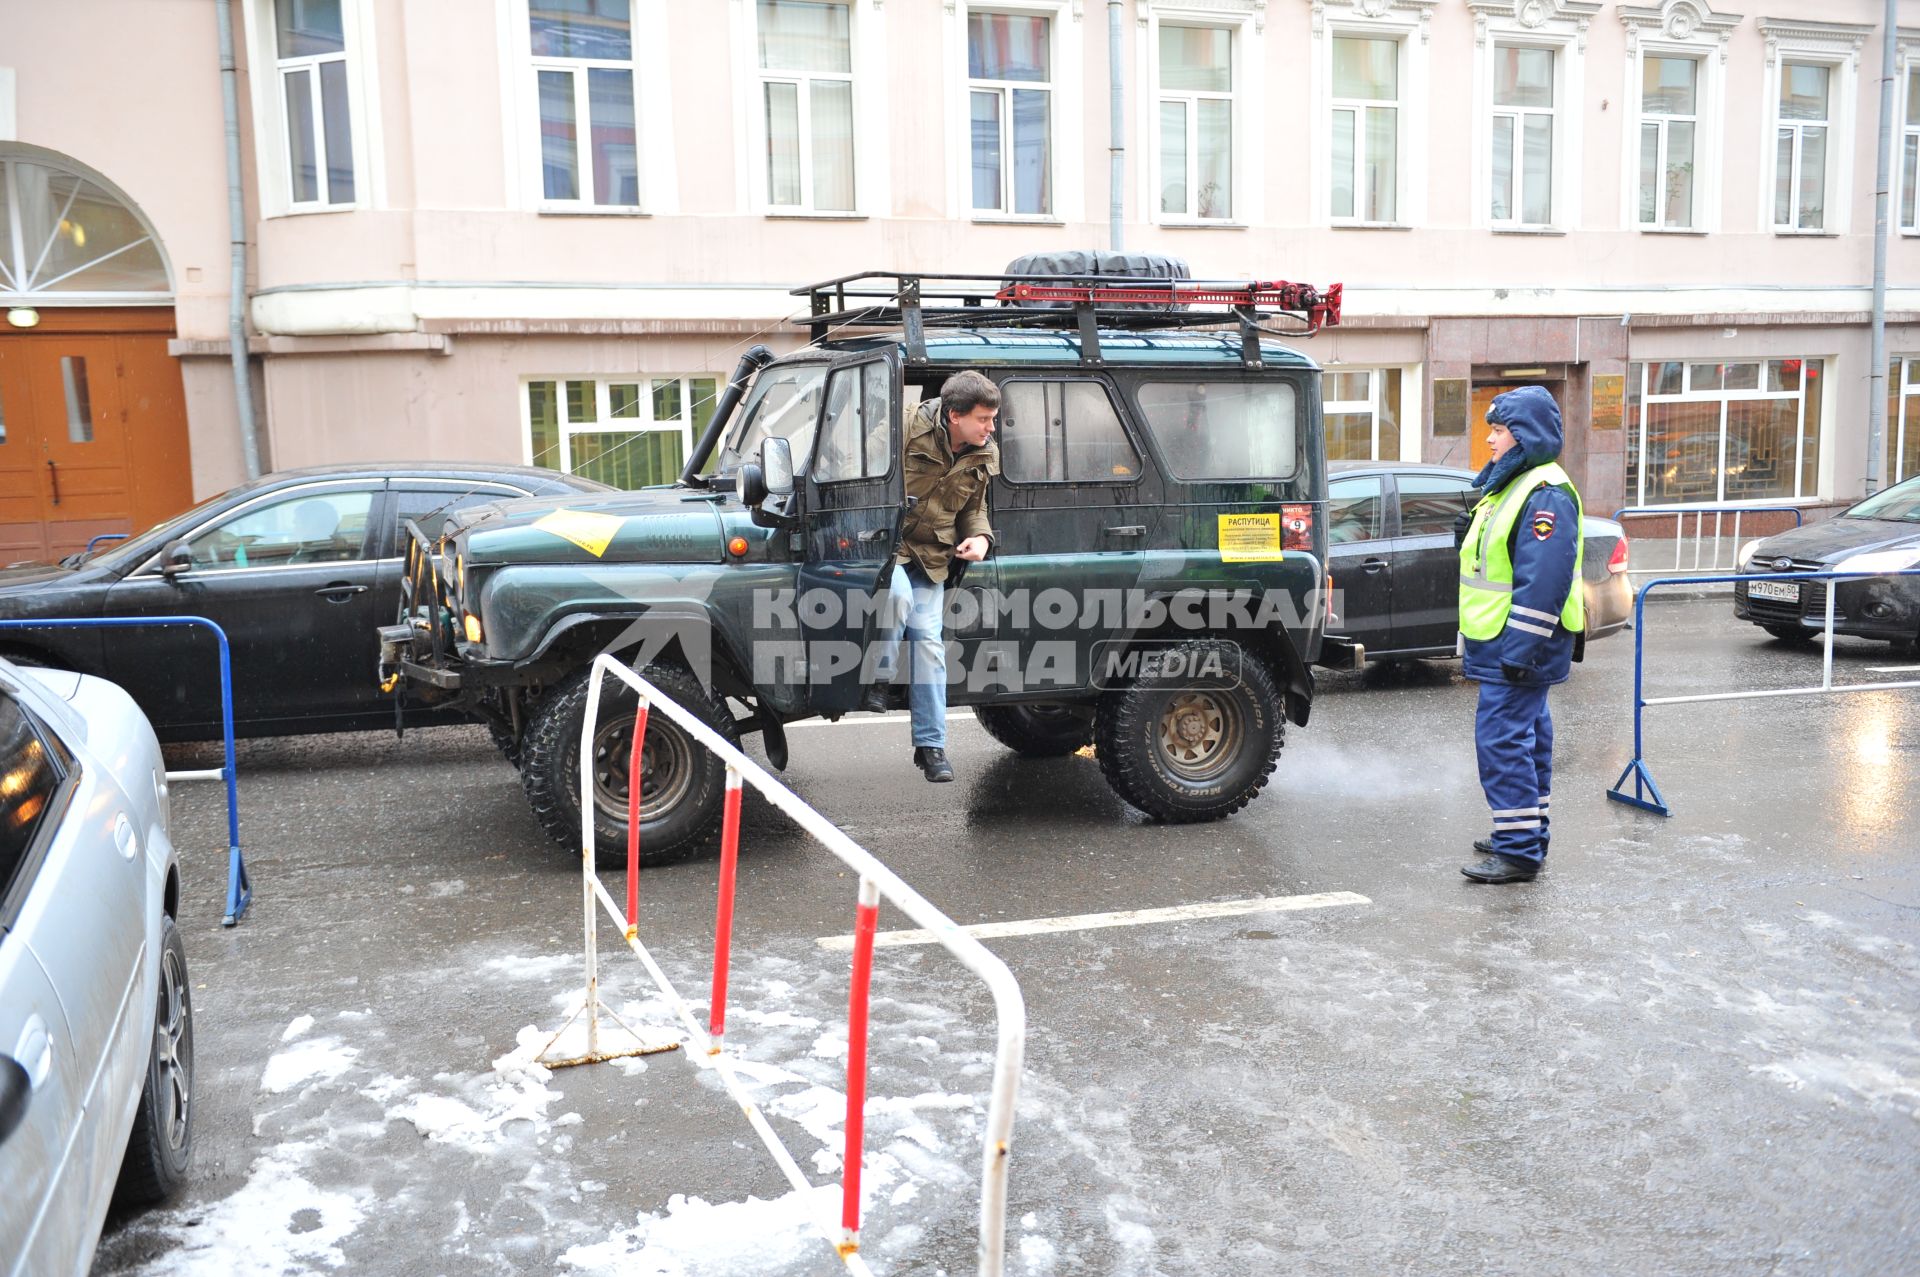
1821 467
269 100
655 158
1678 29
1835 46
1905 417
1374 404
1065 179
1908 221
866 35
604 422
1516 157
1562 29
1245 23
1405 22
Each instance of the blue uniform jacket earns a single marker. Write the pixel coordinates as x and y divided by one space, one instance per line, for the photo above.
1546 537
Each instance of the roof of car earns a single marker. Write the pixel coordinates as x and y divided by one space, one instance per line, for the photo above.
1003 346
1398 467
538 476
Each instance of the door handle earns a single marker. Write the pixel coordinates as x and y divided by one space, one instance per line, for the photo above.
34 1051
339 593
1128 530
1372 565
53 471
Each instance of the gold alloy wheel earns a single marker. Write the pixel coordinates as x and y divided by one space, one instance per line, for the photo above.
1199 736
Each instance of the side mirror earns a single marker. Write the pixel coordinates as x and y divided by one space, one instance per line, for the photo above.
776 465
15 1090
175 559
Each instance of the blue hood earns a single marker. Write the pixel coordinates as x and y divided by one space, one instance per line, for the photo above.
1533 418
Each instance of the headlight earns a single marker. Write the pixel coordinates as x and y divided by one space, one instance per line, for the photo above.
1881 561
1746 555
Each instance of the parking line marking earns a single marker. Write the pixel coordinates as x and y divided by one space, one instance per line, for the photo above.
1123 918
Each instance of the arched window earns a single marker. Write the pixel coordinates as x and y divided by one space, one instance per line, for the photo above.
64 236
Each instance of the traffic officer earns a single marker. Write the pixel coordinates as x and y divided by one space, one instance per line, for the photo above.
949 457
1522 623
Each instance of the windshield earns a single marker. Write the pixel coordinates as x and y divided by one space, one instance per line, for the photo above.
784 404
1900 503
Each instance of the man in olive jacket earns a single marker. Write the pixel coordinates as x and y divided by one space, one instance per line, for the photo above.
950 455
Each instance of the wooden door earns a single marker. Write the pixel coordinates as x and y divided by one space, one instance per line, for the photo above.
22 533
1483 393
83 441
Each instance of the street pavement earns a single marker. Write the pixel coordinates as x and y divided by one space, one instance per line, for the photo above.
1689 1048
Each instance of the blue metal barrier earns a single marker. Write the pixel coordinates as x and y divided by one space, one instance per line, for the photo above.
1643 785
105 536
239 889
1699 513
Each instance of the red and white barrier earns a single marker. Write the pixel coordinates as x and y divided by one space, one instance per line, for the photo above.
876 881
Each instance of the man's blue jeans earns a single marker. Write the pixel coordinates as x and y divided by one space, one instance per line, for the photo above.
915 605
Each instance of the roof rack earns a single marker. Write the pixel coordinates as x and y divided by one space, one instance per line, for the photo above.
1085 303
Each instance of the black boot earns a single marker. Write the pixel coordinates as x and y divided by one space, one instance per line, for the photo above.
933 761
874 699
1498 869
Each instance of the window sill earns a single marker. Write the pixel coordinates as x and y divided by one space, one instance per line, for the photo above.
1671 230
562 210
314 210
1526 230
1371 226
1195 225
1779 233
1015 219
810 215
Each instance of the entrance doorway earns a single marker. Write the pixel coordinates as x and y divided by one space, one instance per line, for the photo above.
93 430
1483 396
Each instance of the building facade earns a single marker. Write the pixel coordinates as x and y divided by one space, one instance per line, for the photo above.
544 230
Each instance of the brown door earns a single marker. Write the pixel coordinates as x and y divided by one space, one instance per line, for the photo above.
1483 393
95 431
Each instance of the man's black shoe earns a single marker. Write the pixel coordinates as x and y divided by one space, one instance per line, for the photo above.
933 761
1495 869
874 699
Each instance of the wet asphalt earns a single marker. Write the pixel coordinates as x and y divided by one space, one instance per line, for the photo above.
1689 1047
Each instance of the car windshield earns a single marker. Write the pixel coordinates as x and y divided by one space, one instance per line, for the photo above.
1900 504
784 404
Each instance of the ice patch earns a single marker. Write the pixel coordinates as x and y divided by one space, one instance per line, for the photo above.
276 1223
1037 1254
300 1024
516 1091
447 887
696 1238
544 967
310 1060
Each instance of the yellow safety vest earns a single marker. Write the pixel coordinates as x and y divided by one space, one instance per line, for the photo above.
1486 561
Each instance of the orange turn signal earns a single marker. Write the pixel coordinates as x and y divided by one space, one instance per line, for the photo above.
737 547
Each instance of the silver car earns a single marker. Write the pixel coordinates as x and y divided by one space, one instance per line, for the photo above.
96 1029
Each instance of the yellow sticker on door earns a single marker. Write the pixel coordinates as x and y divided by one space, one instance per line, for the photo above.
591 532
1250 538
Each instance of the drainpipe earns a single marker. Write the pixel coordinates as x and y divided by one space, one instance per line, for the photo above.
1117 128
237 240
1882 201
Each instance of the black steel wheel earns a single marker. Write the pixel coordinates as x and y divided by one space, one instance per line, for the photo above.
1196 738
1038 729
682 783
161 1144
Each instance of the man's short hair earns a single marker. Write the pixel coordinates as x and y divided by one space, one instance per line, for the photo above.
965 391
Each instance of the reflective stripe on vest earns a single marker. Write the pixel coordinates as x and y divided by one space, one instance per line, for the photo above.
1486 563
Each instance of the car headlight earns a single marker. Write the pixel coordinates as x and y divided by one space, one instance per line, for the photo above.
1746 554
1881 561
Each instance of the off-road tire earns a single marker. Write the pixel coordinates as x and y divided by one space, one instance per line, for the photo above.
1187 748
1040 729
1791 634
550 768
502 737
161 1144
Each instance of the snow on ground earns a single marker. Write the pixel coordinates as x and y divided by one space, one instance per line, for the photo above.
277 1223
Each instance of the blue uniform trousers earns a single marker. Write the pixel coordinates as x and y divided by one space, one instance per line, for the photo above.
1513 736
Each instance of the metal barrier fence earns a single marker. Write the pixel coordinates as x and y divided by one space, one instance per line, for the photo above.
239 888
876 880
105 536
1643 784
1699 538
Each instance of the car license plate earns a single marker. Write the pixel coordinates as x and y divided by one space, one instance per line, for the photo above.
1784 591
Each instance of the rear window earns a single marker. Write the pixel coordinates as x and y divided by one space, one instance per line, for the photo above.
1224 429
29 779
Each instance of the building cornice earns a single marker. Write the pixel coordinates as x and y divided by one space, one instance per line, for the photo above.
1410 14
1240 10
1837 39
1553 17
1684 21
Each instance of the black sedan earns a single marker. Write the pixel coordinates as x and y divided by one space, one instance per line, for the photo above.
299 568
1880 534
1396 571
